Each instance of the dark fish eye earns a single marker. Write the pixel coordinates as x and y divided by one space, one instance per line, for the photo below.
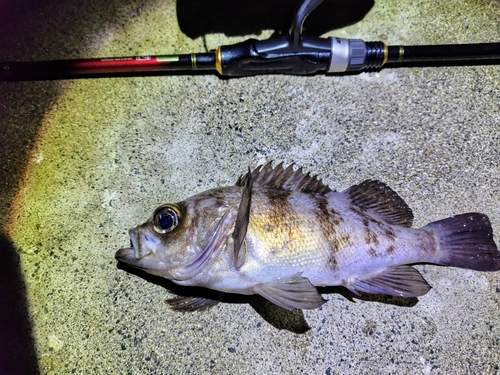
166 221
166 218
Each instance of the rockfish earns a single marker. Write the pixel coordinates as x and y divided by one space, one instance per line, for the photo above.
281 233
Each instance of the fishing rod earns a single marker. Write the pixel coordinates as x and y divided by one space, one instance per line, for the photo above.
293 53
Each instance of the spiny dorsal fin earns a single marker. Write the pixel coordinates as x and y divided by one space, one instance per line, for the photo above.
285 178
379 198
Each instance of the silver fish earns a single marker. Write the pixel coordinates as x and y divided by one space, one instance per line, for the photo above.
281 233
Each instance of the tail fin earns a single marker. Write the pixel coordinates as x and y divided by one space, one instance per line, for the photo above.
467 242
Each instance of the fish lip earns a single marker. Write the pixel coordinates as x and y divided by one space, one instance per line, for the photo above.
125 255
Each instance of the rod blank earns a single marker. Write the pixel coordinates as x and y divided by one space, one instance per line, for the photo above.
61 69
443 53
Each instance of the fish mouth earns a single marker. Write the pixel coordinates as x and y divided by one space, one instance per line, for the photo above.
127 255
145 252
140 256
133 255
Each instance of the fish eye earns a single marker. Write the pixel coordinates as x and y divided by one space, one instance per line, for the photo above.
166 218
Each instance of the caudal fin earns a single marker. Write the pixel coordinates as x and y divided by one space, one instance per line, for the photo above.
467 242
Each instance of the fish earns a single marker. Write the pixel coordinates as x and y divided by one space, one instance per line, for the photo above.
281 233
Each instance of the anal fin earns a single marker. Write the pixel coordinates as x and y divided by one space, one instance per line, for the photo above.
294 292
402 281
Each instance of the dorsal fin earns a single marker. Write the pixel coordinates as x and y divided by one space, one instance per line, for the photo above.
284 178
379 198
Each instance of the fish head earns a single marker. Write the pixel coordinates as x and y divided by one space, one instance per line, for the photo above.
157 244
177 234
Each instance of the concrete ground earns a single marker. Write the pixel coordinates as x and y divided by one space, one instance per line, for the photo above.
85 160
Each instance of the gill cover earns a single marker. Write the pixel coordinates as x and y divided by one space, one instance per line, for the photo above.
193 268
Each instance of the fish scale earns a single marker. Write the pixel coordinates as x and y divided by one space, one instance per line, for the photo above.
280 233
286 235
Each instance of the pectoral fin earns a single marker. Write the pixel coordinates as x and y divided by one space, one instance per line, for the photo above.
295 292
240 228
191 303
402 281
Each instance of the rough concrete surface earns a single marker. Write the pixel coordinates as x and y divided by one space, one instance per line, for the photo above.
85 160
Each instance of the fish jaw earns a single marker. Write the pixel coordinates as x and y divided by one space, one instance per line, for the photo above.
146 252
127 256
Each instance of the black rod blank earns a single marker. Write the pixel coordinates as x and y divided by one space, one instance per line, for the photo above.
443 53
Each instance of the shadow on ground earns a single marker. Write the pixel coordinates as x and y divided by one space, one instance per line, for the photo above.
293 321
200 17
17 350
